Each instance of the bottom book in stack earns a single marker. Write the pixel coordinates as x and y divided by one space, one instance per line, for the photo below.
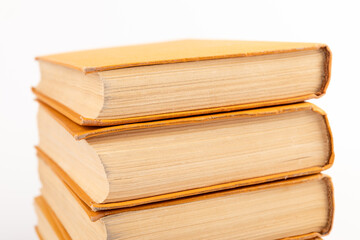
298 208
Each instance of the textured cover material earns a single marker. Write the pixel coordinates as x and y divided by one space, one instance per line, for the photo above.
174 52
95 216
51 217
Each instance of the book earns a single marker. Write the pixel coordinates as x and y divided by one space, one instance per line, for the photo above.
49 226
134 164
298 208
148 82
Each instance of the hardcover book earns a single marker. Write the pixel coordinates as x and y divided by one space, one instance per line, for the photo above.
298 208
135 164
148 82
49 226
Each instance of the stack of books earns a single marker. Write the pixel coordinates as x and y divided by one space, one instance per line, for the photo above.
191 139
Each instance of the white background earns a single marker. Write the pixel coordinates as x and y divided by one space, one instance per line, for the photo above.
31 28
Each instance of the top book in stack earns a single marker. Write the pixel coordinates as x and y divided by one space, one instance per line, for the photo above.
148 82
